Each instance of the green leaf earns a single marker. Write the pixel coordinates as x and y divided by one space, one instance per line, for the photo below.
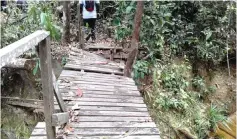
128 9
142 75
208 35
152 21
42 18
36 68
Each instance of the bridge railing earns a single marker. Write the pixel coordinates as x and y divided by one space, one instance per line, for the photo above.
41 41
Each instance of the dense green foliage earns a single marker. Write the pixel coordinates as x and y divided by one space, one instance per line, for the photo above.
196 31
19 24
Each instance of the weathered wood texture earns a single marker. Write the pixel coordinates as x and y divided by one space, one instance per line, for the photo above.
21 63
58 95
59 119
47 85
10 52
82 60
101 105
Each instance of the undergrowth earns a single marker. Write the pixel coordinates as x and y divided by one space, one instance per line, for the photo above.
176 101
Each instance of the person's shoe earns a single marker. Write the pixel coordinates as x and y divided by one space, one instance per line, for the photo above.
88 37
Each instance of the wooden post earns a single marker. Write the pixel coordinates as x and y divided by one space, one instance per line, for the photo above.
47 83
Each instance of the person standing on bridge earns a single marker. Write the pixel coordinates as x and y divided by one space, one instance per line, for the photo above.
89 10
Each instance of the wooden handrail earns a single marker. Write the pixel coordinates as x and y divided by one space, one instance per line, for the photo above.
41 39
10 52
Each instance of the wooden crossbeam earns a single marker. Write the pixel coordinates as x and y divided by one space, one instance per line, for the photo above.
60 118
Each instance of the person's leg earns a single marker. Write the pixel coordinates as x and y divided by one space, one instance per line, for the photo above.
93 28
87 21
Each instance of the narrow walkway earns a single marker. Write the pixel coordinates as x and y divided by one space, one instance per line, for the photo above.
110 105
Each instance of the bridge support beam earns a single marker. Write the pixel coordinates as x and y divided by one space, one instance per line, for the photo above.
47 83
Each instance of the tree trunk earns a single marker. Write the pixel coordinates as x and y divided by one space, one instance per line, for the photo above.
79 22
66 22
135 39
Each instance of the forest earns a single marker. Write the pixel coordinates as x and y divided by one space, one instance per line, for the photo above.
181 54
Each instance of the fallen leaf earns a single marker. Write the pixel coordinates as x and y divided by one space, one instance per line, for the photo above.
68 128
79 92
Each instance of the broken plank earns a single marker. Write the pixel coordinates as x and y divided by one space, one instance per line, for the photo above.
92 69
97 64
70 72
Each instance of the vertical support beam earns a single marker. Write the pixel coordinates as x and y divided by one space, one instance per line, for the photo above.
47 83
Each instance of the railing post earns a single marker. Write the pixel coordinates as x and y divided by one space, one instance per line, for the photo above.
47 83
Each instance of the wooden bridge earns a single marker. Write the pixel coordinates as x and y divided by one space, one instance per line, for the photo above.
91 98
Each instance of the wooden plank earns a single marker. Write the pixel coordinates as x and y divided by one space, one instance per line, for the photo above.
107 104
84 79
107 131
104 137
101 64
102 76
58 95
108 124
82 99
47 85
70 72
99 75
101 92
113 113
98 87
93 79
98 83
92 69
108 108
59 118
113 119
86 95
103 47
10 52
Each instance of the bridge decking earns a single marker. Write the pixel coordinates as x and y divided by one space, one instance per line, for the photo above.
111 105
